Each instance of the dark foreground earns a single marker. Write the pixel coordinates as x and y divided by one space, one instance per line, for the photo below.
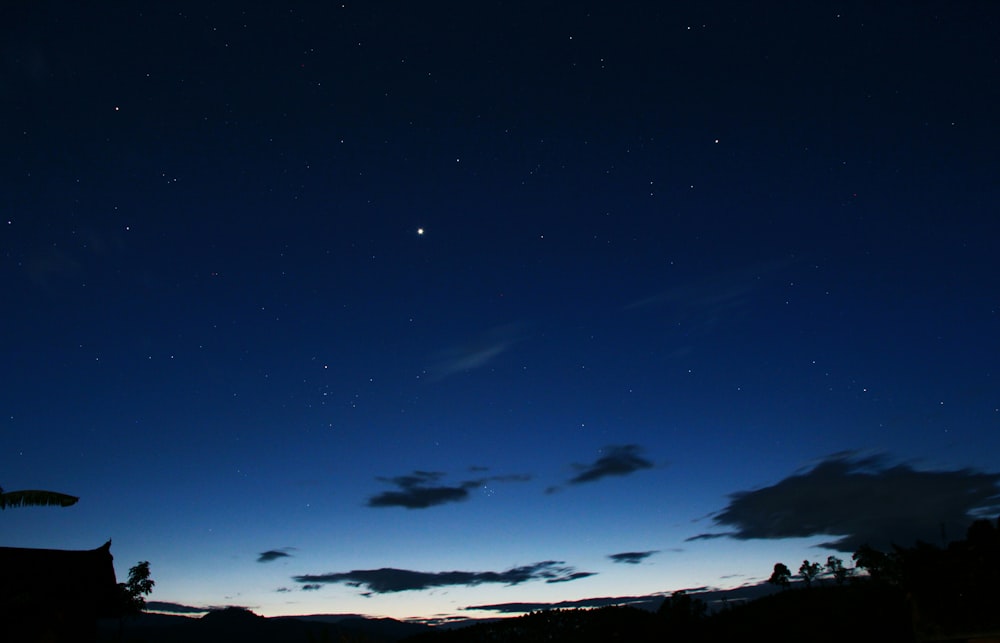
922 593
858 612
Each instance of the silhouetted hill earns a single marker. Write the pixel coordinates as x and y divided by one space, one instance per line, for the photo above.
388 629
234 625
556 626
858 613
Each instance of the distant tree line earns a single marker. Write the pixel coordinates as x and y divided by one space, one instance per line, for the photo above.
811 571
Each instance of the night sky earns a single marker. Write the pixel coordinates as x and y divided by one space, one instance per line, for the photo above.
403 309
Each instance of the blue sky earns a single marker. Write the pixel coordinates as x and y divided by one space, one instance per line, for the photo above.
707 284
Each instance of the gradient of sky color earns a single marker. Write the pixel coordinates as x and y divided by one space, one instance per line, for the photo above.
572 299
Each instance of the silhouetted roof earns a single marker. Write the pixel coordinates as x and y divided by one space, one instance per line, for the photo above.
79 582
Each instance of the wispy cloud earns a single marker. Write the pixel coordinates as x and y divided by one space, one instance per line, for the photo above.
388 580
861 500
632 557
475 353
710 536
273 554
419 490
706 301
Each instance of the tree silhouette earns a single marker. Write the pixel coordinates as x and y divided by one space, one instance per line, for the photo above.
809 571
35 498
950 589
836 568
132 594
983 535
681 611
956 587
781 576
879 565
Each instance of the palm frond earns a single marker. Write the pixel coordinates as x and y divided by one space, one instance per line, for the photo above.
35 498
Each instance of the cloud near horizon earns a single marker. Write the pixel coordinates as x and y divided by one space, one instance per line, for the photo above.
861 500
711 595
632 557
650 602
418 491
173 608
178 608
389 580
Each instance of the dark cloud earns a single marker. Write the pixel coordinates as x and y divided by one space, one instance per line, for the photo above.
862 500
273 554
632 557
417 491
420 491
567 578
727 534
618 460
222 608
311 587
388 580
